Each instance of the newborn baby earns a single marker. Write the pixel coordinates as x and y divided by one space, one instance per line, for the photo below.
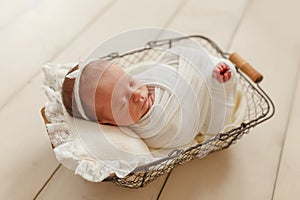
149 99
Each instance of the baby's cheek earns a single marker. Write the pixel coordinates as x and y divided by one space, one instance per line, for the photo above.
134 113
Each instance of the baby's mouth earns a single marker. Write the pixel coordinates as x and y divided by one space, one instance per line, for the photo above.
148 103
145 103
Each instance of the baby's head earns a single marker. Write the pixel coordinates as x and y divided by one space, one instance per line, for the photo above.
108 94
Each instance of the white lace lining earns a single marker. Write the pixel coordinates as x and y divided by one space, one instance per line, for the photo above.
68 147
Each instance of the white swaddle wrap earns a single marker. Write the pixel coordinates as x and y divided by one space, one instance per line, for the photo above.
188 100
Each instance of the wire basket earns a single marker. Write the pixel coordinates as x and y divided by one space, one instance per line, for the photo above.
259 109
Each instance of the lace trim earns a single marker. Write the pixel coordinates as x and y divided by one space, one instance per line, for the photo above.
67 147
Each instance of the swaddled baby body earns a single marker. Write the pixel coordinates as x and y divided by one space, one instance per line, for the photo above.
167 103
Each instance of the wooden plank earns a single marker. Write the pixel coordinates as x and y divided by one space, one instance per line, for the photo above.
288 181
12 11
39 34
143 14
248 169
26 157
215 19
65 185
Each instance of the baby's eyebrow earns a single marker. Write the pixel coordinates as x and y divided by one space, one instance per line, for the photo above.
123 105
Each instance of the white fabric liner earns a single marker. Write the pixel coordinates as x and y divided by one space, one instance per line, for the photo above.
117 153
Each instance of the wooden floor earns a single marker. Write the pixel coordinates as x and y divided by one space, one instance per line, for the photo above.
264 165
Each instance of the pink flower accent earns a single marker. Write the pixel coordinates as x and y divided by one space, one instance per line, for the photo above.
222 72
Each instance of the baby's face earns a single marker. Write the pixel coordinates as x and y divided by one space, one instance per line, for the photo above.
120 99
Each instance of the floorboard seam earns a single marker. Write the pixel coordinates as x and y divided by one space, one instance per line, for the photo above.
11 20
46 183
102 11
242 17
292 103
177 10
163 186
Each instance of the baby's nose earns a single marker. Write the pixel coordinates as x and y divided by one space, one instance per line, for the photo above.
138 96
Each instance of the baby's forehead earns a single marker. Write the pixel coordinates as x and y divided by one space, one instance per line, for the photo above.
98 66
95 70
104 74
101 66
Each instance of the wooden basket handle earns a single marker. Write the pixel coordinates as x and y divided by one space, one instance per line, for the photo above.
254 75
